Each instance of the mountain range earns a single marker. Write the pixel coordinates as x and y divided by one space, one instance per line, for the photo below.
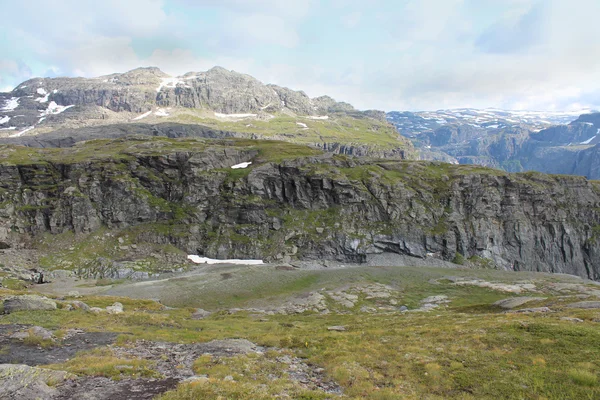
552 142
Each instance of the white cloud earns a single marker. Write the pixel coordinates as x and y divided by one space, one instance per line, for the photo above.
433 54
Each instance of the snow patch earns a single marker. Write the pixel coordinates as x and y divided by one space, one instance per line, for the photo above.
8 129
54 109
23 87
10 104
318 117
170 83
206 260
41 119
144 115
219 115
303 125
4 120
590 139
161 113
42 91
23 131
241 165
55 91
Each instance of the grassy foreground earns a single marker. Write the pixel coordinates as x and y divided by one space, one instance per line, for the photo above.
467 350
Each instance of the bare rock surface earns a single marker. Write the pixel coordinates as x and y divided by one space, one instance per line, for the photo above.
513 302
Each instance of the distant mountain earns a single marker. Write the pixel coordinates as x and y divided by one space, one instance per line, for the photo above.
225 101
510 140
413 123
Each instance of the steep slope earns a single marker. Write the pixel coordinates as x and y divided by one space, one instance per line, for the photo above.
294 203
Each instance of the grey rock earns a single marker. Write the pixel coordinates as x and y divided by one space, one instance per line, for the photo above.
513 302
116 308
530 310
22 382
403 308
585 304
28 303
337 328
80 305
571 319
200 314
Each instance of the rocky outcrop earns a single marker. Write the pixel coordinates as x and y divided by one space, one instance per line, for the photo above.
28 303
324 207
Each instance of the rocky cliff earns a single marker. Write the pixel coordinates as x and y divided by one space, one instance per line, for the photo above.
295 203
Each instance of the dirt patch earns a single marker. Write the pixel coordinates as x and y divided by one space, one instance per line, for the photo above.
15 351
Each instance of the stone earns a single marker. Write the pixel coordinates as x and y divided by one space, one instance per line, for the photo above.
80 305
402 308
571 319
585 305
229 378
97 310
200 314
337 328
116 308
530 310
513 302
28 303
40 332
320 230
21 382
74 293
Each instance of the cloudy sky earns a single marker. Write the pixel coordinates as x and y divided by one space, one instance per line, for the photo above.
384 54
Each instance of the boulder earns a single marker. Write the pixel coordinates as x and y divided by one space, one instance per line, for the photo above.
21 382
116 308
337 328
513 302
200 314
28 303
80 305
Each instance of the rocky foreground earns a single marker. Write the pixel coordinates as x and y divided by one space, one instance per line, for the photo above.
436 333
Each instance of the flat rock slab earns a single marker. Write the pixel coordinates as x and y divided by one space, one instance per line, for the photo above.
585 304
337 328
98 388
513 302
530 310
22 382
28 303
176 360
19 352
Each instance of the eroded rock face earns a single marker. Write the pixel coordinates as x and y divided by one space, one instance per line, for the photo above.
324 207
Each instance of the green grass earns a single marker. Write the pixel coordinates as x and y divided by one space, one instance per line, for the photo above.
469 350
102 362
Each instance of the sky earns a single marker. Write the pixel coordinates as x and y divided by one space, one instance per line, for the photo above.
377 54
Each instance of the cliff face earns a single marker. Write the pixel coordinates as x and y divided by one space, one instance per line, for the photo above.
184 193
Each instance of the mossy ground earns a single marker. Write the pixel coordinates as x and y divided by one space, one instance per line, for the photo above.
469 350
